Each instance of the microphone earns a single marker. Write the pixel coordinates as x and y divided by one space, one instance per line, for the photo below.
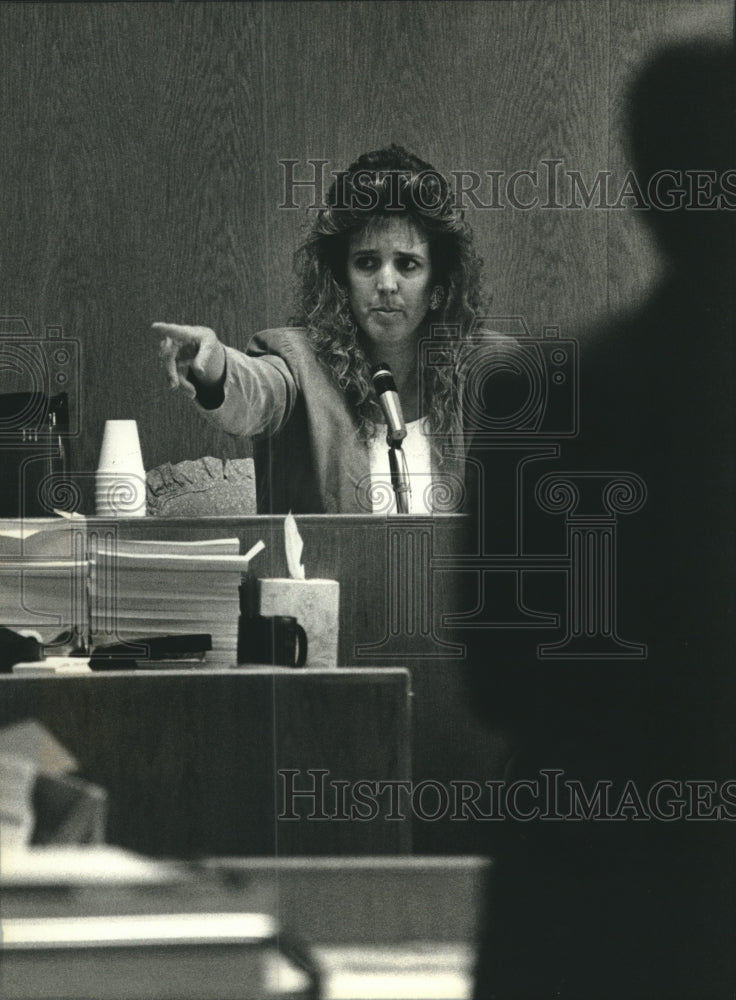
388 400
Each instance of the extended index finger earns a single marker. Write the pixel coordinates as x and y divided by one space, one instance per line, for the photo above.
177 331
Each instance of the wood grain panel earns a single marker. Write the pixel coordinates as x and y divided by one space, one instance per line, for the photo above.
472 86
140 173
140 131
190 759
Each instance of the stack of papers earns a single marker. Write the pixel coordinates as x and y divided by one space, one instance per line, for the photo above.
144 589
43 576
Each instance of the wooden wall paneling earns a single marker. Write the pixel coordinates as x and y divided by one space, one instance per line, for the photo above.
480 87
536 93
202 229
69 212
141 130
152 200
52 245
141 178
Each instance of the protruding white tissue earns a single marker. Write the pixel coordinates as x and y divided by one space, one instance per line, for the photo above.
293 544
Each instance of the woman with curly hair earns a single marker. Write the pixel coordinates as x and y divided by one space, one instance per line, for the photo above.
388 276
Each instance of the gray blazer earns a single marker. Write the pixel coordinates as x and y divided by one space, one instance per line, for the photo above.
308 456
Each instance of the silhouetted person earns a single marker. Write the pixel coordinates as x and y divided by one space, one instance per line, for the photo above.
639 909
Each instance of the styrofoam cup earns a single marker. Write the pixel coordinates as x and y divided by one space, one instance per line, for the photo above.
121 478
121 447
122 495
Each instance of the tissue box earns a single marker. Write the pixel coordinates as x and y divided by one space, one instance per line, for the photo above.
316 606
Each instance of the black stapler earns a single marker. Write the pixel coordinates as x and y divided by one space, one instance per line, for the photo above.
155 653
17 648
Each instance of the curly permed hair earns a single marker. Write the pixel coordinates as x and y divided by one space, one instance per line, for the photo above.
377 186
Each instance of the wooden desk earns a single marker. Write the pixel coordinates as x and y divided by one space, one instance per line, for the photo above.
191 759
378 576
368 557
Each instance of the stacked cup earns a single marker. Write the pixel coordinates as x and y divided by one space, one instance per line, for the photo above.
121 479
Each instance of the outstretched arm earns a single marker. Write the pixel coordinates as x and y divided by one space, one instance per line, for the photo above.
240 394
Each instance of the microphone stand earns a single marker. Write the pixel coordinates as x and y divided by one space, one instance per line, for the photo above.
399 475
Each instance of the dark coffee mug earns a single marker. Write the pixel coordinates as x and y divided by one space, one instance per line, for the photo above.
278 640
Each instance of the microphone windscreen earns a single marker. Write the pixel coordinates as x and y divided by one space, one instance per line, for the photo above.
383 380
